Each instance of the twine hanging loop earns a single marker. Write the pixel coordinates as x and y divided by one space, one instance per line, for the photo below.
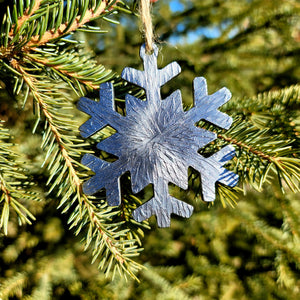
146 19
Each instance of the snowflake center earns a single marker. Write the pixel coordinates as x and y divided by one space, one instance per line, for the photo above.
155 138
154 143
154 134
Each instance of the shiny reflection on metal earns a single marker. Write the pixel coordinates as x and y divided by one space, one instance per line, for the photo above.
157 141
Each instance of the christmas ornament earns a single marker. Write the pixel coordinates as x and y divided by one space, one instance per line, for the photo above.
157 141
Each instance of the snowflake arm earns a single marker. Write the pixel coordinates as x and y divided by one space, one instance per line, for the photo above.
102 113
162 207
206 106
151 79
212 171
107 176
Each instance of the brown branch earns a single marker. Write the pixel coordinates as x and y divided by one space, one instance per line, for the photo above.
47 63
10 51
252 150
5 190
69 162
108 241
52 34
57 135
26 16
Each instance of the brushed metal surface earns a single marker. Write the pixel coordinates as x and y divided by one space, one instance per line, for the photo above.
157 141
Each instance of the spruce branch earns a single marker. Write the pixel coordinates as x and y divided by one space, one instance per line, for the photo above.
14 185
25 17
285 274
13 286
74 67
72 25
277 111
266 132
25 28
111 243
261 154
270 235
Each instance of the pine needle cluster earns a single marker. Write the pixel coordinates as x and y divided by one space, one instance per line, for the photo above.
41 63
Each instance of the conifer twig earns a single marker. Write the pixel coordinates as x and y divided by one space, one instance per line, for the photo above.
13 285
26 16
5 190
260 228
69 161
12 185
261 152
116 245
46 62
77 23
249 148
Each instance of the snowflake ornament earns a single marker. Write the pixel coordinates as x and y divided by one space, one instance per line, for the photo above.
157 141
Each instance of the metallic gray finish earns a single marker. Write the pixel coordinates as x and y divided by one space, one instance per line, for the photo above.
157 141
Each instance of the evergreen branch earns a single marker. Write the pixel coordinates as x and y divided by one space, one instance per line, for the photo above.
290 211
285 274
13 286
248 148
74 68
25 17
112 248
277 111
269 234
12 185
44 21
260 152
110 242
68 27
275 102
267 133
54 129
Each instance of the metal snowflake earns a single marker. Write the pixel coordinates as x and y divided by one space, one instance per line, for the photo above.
157 141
